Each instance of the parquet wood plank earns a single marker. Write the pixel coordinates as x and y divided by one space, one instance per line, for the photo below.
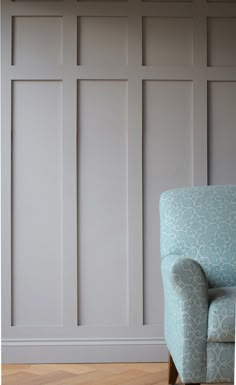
70 368
19 378
14 368
85 374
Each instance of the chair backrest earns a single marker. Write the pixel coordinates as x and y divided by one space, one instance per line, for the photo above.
200 223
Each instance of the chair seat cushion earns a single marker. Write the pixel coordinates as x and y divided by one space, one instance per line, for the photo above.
221 316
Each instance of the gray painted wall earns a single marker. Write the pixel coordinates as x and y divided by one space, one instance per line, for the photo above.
104 106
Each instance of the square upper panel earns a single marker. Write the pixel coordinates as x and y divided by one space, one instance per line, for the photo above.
221 41
102 40
167 41
37 40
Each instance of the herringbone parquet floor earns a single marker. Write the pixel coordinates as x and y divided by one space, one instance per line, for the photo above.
85 374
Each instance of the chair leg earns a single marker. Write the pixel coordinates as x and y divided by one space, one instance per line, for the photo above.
173 373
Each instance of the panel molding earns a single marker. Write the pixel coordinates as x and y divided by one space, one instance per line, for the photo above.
200 94
148 340
94 351
69 169
135 182
83 341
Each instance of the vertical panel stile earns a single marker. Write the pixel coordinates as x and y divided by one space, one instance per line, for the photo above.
200 94
6 188
69 156
135 242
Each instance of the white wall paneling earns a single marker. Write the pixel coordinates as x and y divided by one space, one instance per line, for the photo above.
167 41
221 41
102 202
102 40
167 124
36 203
105 104
37 40
222 134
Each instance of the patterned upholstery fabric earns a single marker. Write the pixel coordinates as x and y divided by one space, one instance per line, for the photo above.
220 362
201 223
198 249
186 308
221 314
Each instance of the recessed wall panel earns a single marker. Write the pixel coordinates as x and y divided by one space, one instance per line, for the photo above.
222 132
221 41
102 202
36 203
37 40
167 163
102 40
167 41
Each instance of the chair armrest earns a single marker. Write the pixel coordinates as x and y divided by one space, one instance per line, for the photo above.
186 313
187 276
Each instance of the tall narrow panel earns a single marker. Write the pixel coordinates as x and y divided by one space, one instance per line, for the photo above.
167 41
102 202
222 133
102 40
167 163
36 203
221 41
37 40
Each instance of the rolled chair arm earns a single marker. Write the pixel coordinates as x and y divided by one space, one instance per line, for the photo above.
188 277
186 309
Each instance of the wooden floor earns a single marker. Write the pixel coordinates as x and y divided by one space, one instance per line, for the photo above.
81 374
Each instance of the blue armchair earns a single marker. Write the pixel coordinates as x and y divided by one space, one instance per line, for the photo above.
198 250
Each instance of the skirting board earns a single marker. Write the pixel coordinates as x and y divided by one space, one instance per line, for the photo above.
83 351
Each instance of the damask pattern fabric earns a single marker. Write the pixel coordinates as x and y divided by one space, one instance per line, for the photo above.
198 249
201 223
221 315
186 309
220 362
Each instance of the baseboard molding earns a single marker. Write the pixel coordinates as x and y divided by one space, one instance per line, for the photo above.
83 350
